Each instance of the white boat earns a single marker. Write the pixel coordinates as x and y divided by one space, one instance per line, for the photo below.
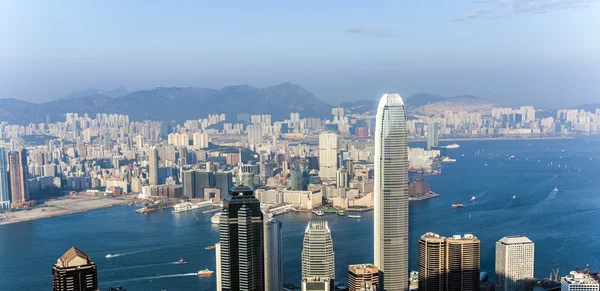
216 218
555 190
448 160
318 212
452 146
473 199
354 216
514 196
187 206
108 256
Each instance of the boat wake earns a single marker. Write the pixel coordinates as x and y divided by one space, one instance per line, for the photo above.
143 266
133 252
152 278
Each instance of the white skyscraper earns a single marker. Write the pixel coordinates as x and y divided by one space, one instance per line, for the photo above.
391 194
255 134
328 150
318 260
514 262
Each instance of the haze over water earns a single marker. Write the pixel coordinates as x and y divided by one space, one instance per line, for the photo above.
563 225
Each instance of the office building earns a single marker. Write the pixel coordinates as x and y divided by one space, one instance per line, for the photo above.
241 238
153 167
514 262
223 182
74 271
328 148
218 265
432 262
462 263
273 255
342 178
19 176
204 180
432 135
391 194
577 281
4 191
188 180
318 259
362 276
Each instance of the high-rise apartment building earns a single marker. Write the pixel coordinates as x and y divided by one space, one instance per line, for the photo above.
328 149
74 271
391 194
462 263
514 262
432 262
273 255
19 175
577 281
318 259
4 191
153 167
241 240
432 135
362 276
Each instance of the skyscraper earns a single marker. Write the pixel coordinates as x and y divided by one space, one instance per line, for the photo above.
328 148
4 192
462 263
432 262
241 239
188 179
514 262
218 265
19 175
318 259
74 271
361 275
153 166
391 194
273 255
432 135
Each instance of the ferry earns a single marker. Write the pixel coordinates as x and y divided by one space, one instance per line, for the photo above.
108 256
182 261
448 160
353 216
205 272
555 190
216 218
452 146
457 205
473 199
208 248
187 206
318 212
340 213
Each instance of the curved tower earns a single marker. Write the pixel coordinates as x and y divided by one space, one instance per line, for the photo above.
391 194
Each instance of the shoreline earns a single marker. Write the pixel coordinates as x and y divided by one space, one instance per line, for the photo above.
496 138
64 206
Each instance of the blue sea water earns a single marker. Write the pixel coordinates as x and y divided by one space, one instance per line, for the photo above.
563 225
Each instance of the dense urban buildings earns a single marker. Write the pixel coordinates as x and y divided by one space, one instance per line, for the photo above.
318 258
363 276
391 194
4 190
74 271
514 262
241 241
273 255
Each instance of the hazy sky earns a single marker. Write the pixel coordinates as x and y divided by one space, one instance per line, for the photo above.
542 52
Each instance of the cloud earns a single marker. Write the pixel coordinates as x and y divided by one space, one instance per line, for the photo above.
503 8
367 32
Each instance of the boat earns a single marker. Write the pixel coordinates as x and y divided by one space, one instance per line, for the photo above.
216 218
187 206
555 190
208 248
205 272
448 160
452 146
353 216
340 213
457 205
108 256
473 199
514 196
318 212
182 261
485 165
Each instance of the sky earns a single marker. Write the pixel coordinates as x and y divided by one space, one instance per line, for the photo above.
515 52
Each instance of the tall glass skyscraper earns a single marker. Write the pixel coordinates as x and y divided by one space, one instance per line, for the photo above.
318 260
4 193
391 194
153 179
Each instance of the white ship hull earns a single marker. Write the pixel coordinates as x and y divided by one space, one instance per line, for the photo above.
187 206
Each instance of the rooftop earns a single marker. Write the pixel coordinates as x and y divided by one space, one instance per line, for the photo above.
516 239
390 99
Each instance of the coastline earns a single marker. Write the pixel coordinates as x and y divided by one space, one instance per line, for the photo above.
64 206
496 138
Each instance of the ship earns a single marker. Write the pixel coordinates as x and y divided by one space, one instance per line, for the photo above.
108 256
555 190
514 196
216 218
182 261
318 212
448 160
353 216
473 199
187 206
452 146
340 213
208 248
205 272
457 205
